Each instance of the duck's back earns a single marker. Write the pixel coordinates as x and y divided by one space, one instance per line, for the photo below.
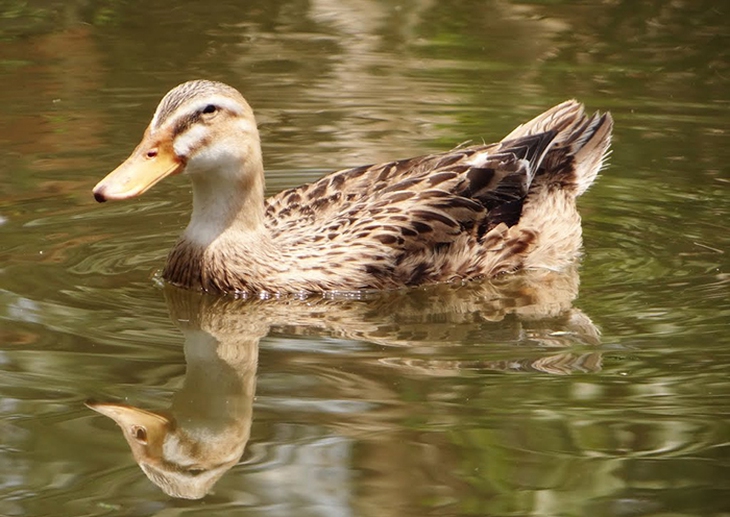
471 212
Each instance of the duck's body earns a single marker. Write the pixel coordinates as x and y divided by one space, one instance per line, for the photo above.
468 213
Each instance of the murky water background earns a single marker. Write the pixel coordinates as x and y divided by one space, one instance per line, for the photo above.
499 399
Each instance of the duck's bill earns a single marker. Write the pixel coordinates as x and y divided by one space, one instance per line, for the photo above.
146 166
125 415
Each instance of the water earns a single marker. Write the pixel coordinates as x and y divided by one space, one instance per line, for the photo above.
603 391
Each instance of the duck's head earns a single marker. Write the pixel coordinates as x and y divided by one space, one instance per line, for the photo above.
201 128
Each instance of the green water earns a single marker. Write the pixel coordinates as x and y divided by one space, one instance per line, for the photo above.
532 396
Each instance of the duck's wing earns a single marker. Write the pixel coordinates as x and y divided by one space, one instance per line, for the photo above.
347 187
443 217
580 143
490 175
413 221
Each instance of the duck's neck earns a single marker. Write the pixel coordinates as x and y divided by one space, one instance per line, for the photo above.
227 199
226 238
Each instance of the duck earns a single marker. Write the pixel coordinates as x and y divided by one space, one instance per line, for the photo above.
473 212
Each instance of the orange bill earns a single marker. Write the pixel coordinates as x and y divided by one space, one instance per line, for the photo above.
124 414
144 431
141 428
147 165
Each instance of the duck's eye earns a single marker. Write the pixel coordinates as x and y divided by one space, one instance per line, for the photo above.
210 108
140 433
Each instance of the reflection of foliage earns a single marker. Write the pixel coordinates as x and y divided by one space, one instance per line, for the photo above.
18 9
22 17
17 17
106 13
660 37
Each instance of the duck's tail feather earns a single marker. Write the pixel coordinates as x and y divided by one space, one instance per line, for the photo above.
580 146
558 118
589 150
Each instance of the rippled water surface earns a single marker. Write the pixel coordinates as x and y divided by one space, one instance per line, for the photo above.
600 391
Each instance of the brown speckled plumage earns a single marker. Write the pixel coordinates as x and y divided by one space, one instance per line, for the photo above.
468 213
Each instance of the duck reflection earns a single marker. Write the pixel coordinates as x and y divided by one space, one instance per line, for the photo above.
187 448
